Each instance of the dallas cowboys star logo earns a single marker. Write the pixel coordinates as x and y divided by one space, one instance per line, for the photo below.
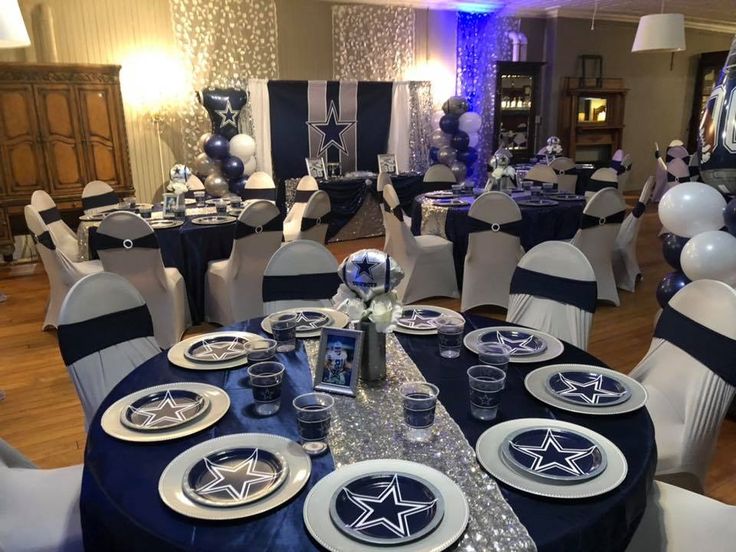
239 480
167 411
486 399
419 321
310 320
219 350
388 509
519 345
591 392
228 116
550 454
331 131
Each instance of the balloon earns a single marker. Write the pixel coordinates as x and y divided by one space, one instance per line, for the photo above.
469 156
436 116
473 139
672 245
729 216
469 170
439 139
670 284
217 147
215 185
370 272
243 146
456 105
691 208
179 173
203 165
224 106
710 255
202 139
460 141
459 169
446 155
232 167
448 124
433 154
470 122
250 166
238 185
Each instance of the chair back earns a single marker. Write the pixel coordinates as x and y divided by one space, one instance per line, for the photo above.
567 178
623 169
314 221
605 177
305 188
439 173
625 263
302 273
543 174
259 186
105 332
59 268
98 197
562 164
400 242
194 184
64 237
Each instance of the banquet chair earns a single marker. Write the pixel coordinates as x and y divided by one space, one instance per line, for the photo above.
105 332
542 174
600 180
678 520
625 263
60 270
302 273
553 289
306 186
127 245
64 237
233 285
494 249
98 197
596 237
194 184
313 223
622 168
439 173
259 186
429 268
565 182
383 179
39 509
689 374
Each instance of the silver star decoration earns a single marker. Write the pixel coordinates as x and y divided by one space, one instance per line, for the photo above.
402 509
220 350
238 480
418 321
551 454
166 411
308 322
228 115
517 345
590 392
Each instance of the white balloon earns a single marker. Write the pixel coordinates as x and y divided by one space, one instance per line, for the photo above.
710 255
691 208
473 139
436 116
243 146
470 122
250 166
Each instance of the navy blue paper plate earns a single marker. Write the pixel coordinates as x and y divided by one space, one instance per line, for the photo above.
555 454
164 409
308 320
215 348
521 343
588 388
419 319
387 508
233 477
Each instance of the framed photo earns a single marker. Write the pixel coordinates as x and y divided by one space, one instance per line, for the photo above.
338 362
387 163
168 203
316 167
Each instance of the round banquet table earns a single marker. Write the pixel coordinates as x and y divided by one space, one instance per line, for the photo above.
540 224
121 508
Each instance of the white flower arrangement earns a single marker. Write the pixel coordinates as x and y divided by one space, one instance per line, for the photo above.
383 310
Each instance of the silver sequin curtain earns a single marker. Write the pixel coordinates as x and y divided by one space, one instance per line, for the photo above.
420 121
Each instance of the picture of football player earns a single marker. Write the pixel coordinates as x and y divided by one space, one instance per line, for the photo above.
337 365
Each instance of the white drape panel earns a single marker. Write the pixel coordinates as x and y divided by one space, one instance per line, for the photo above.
398 132
260 109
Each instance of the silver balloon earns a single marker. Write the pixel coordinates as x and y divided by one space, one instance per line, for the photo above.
179 173
370 272
446 155
202 139
456 105
439 139
215 185
459 169
203 165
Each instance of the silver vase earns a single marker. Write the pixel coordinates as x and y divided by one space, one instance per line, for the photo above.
373 362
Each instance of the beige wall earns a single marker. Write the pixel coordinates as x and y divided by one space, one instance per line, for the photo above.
305 39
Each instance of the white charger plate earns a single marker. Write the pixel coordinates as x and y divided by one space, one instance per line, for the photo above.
488 450
176 353
317 516
337 320
441 310
219 405
554 346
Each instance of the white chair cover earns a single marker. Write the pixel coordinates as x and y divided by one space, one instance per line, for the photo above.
438 173
131 249
494 249
384 179
302 273
625 263
194 184
600 180
689 374
543 174
565 182
105 332
621 163
678 520
562 298
233 286
259 186
39 509
98 197
60 270
304 189
429 269
64 237
596 237
314 220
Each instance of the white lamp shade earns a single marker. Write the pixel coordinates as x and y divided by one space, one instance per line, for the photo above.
660 32
13 33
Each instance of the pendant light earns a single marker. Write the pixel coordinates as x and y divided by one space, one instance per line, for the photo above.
13 33
660 32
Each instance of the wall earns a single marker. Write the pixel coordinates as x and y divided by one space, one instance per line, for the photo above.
305 39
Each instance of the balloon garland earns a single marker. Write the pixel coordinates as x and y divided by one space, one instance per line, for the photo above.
453 143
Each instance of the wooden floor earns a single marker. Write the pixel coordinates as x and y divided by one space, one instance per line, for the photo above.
42 417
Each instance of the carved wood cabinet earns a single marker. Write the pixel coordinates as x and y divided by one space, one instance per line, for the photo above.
61 126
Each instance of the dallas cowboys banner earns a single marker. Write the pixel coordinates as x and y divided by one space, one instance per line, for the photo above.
345 122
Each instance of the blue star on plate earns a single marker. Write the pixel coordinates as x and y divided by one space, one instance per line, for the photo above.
331 131
550 454
419 319
388 509
166 412
236 480
228 116
590 392
521 343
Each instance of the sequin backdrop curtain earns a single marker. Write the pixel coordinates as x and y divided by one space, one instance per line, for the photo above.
481 41
227 42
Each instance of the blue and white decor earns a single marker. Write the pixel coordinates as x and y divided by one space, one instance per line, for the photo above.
164 410
588 388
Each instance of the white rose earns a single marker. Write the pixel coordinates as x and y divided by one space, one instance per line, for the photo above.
345 300
385 311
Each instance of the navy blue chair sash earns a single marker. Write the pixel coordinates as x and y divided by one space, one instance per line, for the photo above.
103 241
594 185
50 215
302 196
712 349
511 228
45 239
300 286
396 211
102 200
672 178
639 209
243 230
259 193
81 339
308 222
589 221
580 293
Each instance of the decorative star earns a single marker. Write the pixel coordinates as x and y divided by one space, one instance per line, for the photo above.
305 322
267 393
167 410
519 345
486 399
551 454
237 481
220 350
419 321
228 115
365 267
590 392
331 131
388 509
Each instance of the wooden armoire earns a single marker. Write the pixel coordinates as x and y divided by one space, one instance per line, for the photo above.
61 126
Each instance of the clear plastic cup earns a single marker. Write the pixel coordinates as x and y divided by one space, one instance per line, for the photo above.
450 335
265 380
313 418
283 329
486 384
420 401
494 354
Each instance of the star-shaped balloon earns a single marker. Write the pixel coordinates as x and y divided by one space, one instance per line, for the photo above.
590 392
167 412
551 455
331 131
237 481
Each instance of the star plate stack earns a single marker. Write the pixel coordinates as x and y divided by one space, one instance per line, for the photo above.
310 321
421 319
212 351
527 345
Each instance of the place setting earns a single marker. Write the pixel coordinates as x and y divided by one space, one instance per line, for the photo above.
440 194
450 202
308 322
163 224
213 220
422 319
525 345
220 350
538 202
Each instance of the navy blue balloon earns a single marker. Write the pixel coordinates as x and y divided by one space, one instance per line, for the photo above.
433 154
237 185
670 284
449 123
232 167
224 106
460 140
672 245
729 216
217 147
469 170
468 156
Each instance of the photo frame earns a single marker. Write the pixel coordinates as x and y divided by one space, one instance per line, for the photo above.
316 167
168 203
387 163
338 361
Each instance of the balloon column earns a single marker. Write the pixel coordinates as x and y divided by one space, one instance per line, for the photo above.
227 157
454 140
